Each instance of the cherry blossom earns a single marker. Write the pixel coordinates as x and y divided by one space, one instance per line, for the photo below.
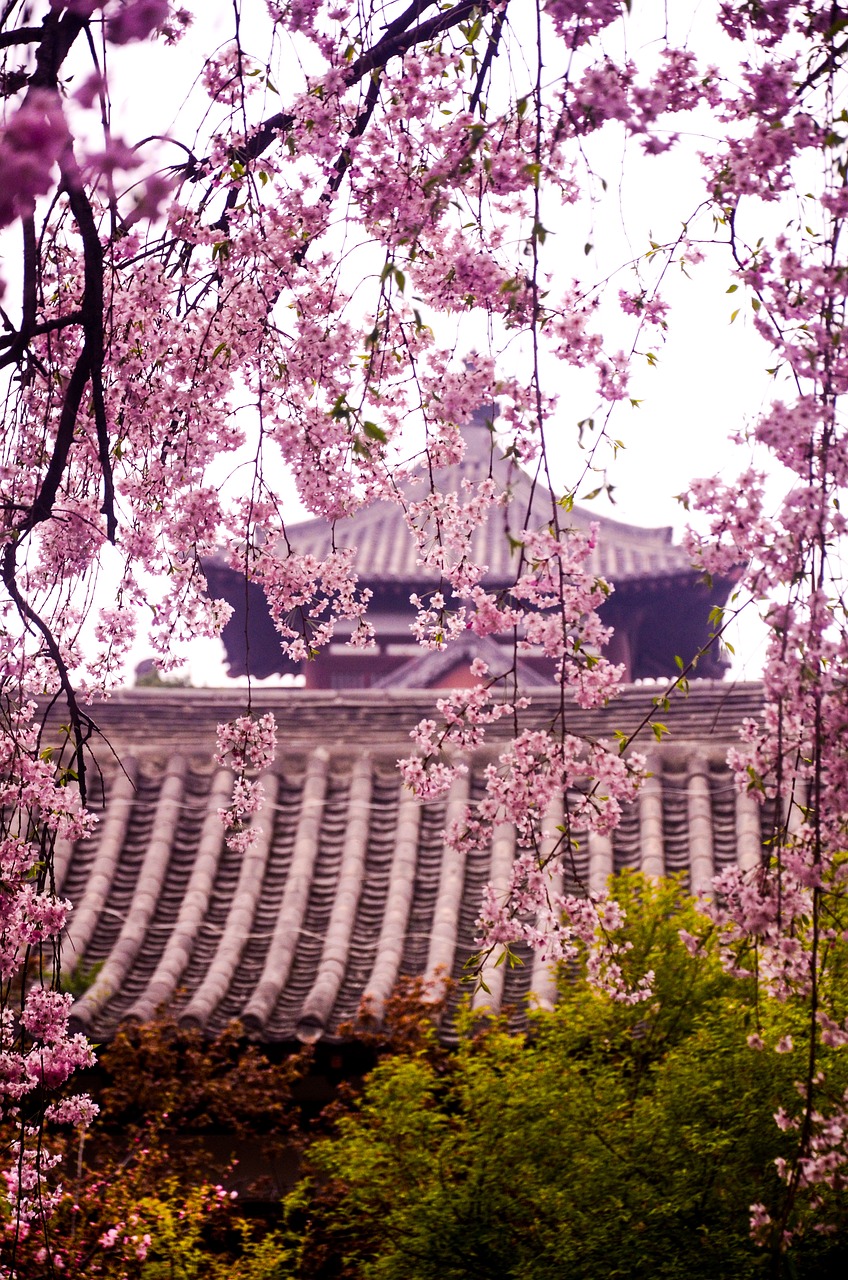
284 290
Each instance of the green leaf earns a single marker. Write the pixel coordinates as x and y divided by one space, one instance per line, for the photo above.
755 781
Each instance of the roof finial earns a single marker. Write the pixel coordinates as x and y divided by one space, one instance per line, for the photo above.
478 431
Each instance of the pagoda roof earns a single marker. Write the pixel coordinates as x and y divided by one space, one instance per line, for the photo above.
349 886
387 553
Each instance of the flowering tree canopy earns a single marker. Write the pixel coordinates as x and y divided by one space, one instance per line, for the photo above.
341 250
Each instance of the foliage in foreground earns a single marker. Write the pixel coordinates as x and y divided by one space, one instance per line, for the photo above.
148 1189
613 1140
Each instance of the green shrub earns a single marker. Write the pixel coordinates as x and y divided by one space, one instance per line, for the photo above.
611 1141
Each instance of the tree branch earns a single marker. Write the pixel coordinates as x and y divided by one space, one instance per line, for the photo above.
359 127
57 37
42 507
17 342
411 14
23 35
491 51
92 311
394 44
81 724
46 326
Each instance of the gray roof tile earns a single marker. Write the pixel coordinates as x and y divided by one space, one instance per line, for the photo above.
349 885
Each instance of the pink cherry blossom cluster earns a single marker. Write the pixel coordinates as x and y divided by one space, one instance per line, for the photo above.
782 920
127 1235
126 20
308 597
37 1057
32 143
25 1190
443 525
562 928
826 1152
763 924
465 715
245 745
652 309
129 1242
579 21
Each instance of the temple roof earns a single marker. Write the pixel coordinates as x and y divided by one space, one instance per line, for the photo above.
660 609
387 552
349 886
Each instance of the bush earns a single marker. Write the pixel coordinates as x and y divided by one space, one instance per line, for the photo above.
611 1141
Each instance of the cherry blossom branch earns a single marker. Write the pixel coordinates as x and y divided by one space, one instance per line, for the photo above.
22 35
81 723
486 63
397 41
42 506
58 34
72 319
92 311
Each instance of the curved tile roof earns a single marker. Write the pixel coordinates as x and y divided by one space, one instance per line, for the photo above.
386 552
349 886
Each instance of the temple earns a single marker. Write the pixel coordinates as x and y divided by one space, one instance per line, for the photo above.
350 886
659 608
